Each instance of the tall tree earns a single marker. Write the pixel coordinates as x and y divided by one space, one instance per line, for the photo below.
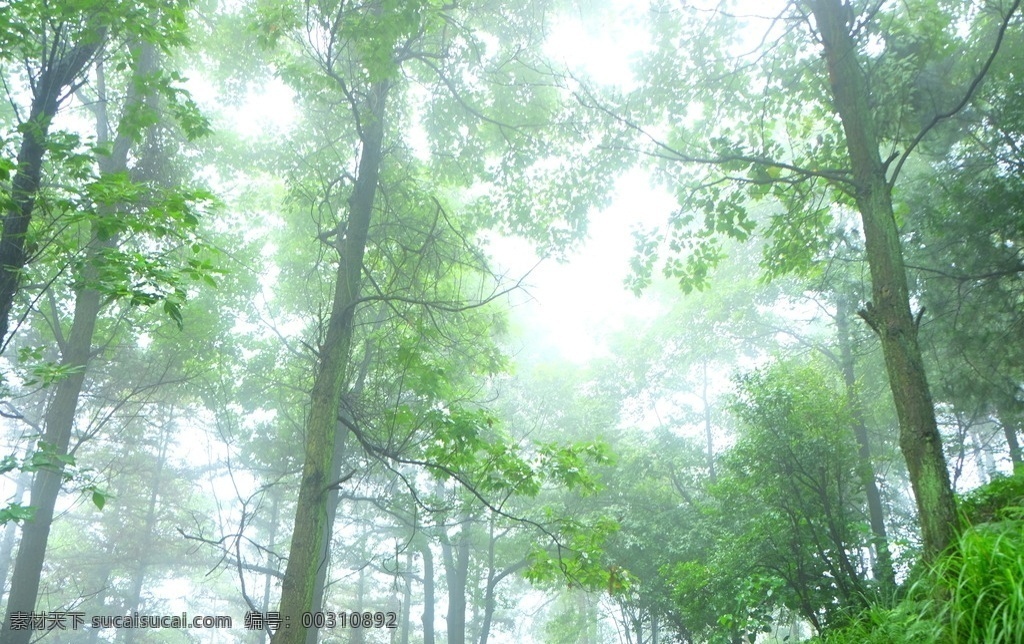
486 124
888 313
114 215
832 126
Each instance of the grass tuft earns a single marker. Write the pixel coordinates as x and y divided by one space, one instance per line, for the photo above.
985 578
974 594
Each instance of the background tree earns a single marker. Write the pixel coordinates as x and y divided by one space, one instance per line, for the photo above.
112 216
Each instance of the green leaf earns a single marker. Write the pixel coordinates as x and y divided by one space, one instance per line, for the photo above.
99 499
9 464
173 309
46 456
17 512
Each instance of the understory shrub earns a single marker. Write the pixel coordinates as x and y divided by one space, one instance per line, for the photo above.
972 594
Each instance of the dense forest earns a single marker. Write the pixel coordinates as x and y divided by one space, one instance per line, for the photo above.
490 321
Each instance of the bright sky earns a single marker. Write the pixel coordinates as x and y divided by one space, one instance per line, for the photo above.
567 310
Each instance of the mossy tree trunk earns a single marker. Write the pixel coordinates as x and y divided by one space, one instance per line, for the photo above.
889 311
311 516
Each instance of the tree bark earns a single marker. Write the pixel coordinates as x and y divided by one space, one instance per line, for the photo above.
428 593
305 558
889 312
333 500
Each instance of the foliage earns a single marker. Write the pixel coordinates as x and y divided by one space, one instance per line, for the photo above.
994 501
714 540
47 456
967 253
755 148
795 460
971 594
780 529
909 621
579 559
28 29
985 576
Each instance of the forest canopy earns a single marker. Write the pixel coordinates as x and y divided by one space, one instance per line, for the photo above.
420 321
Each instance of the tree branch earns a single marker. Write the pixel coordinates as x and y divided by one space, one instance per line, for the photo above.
975 83
672 154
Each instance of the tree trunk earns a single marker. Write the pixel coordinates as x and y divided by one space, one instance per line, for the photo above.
1008 422
358 635
428 593
882 567
456 571
334 494
405 619
59 421
102 584
708 436
492 582
53 81
494 577
588 610
889 312
7 545
983 458
134 599
304 559
333 500
271 563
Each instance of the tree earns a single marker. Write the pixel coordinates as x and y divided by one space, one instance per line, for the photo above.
123 224
366 56
888 314
795 464
829 132
57 45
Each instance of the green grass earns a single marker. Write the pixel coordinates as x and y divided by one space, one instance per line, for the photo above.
985 578
973 594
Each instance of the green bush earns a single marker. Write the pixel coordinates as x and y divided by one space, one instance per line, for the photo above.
989 501
973 594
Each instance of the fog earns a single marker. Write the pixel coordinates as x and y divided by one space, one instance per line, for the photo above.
568 323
